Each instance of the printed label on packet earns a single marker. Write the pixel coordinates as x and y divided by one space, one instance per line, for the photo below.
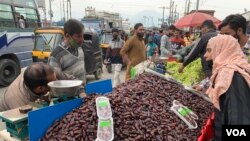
105 123
187 110
183 111
102 103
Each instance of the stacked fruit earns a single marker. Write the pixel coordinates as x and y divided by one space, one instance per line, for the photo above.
191 74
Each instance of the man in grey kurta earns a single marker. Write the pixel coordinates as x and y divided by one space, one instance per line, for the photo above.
30 85
68 56
165 46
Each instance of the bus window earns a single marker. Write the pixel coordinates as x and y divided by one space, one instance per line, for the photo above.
6 16
30 3
30 16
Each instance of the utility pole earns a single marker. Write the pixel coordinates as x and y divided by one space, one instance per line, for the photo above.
185 11
188 6
148 21
163 8
172 12
197 5
152 21
175 13
50 12
67 9
63 11
45 15
70 9
170 8
145 20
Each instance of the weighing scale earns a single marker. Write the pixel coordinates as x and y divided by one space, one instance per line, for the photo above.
16 122
57 100
64 90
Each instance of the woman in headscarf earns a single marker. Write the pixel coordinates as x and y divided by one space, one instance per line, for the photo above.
152 49
230 81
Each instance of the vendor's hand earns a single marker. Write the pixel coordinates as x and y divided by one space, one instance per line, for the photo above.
150 58
194 86
105 61
82 95
129 63
46 97
169 54
204 91
181 68
197 87
123 60
173 52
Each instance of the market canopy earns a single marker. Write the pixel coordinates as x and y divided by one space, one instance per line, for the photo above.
195 19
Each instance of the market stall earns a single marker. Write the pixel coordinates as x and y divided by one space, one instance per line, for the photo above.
141 110
151 106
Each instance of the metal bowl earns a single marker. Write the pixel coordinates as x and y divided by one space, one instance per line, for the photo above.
65 88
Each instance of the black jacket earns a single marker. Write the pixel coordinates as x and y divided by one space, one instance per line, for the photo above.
199 51
234 105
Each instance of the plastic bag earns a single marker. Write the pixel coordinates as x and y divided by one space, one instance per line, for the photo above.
207 133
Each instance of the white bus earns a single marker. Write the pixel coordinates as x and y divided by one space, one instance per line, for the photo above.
18 19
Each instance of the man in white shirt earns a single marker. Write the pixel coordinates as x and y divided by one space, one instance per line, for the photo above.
21 22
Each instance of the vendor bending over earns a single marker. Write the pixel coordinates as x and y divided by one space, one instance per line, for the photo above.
30 85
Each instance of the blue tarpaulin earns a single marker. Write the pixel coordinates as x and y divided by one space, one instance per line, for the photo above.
40 120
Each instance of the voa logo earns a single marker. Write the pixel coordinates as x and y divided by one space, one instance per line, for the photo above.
236 132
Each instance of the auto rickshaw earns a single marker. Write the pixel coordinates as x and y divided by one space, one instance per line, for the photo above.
46 39
105 39
93 53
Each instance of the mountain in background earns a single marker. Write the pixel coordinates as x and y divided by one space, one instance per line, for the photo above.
150 18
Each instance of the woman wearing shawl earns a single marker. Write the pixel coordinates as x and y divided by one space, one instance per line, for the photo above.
152 48
230 81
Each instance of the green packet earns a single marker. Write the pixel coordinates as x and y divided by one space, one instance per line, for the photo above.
105 123
184 111
103 103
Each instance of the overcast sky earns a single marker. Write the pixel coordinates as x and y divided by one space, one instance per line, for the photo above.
129 8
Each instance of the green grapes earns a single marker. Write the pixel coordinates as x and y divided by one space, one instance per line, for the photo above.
191 74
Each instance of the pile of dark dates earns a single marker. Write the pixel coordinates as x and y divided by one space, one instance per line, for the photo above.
141 112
